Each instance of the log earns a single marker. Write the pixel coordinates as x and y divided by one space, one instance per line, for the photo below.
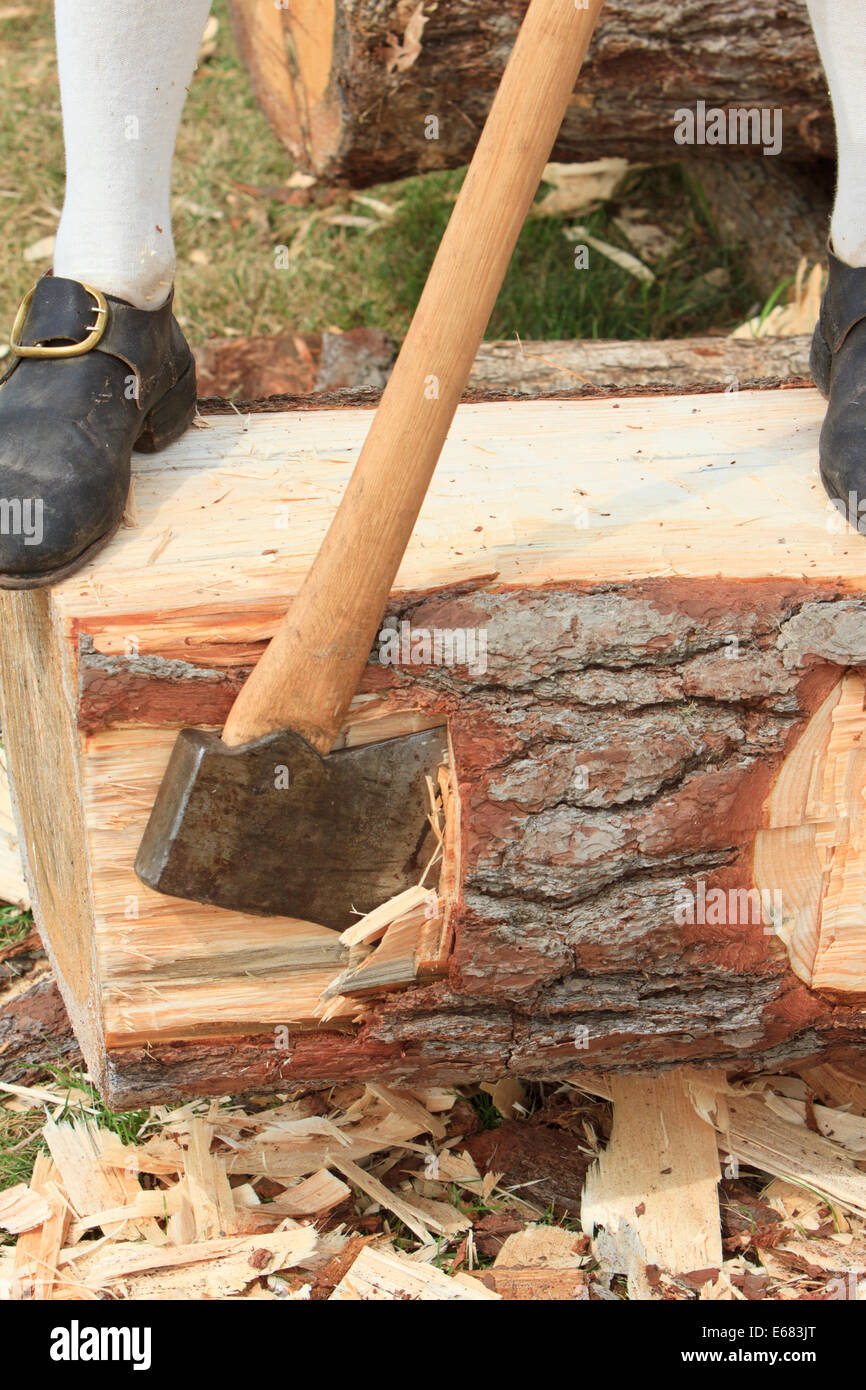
34 1027
350 86
654 828
771 212
300 363
250 369
545 368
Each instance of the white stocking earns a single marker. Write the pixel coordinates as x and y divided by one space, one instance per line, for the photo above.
125 66
840 30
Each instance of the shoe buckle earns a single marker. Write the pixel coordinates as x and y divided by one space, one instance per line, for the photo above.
94 330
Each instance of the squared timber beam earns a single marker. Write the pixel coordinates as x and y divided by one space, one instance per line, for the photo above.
654 830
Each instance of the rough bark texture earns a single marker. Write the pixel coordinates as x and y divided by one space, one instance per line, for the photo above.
542 1155
567 953
303 363
536 369
321 71
295 363
773 213
34 1027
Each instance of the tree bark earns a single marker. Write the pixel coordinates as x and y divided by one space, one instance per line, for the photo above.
337 80
34 1028
292 365
773 213
676 364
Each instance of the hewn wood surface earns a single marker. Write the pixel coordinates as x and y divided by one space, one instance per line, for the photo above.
667 602
321 71
40 737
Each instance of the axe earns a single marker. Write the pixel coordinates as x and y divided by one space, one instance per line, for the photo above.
266 818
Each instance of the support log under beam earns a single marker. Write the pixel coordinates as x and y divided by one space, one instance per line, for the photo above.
656 837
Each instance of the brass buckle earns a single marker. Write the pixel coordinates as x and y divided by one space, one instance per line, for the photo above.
94 330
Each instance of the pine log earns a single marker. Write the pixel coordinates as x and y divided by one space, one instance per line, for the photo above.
34 1027
678 364
667 723
352 96
250 369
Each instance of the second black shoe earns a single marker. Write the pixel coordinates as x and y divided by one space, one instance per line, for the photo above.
838 364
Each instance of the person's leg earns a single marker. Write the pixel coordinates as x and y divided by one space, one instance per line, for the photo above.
124 67
99 365
840 31
839 344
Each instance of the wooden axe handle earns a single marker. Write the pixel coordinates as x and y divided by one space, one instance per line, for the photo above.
309 673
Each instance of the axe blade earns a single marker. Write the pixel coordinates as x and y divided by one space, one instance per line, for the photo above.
272 827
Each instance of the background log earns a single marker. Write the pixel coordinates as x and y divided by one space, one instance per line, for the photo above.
772 212
34 1027
341 88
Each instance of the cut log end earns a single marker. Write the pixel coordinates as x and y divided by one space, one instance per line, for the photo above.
810 861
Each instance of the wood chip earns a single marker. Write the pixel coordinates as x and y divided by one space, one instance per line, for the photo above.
410 1216
401 57
404 1104
541 1247
508 1095
124 1260
76 1147
37 1251
207 1185
380 1273
22 1209
651 1198
528 1285
374 924
315 1195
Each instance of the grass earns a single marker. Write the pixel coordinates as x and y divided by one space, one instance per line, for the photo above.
20 1142
342 277
488 1114
84 1100
21 1131
544 296
15 923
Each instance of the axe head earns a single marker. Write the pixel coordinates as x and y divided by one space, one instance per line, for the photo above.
272 827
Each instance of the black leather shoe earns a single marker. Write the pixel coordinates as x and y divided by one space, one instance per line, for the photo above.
838 364
91 378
